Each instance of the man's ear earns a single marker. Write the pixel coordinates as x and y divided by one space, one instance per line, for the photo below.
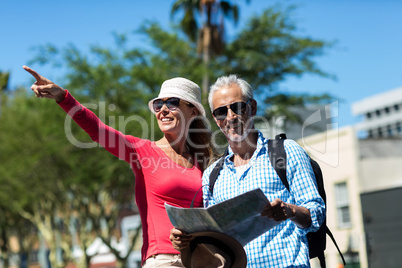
253 105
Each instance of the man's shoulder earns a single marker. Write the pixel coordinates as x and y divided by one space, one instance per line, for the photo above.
295 152
292 145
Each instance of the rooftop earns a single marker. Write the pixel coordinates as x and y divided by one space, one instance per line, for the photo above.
378 101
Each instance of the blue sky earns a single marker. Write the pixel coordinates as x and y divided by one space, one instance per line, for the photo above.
367 57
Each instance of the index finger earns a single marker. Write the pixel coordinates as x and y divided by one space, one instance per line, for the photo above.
33 73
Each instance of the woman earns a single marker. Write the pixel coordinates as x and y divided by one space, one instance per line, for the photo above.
168 170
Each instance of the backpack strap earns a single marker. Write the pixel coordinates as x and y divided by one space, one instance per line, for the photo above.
277 157
329 233
321 258
216 170
192 201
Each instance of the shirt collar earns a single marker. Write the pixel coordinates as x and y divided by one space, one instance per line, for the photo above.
261 143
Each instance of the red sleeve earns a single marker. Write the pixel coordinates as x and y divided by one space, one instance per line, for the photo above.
112 140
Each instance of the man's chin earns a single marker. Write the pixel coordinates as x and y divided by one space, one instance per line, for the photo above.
236 137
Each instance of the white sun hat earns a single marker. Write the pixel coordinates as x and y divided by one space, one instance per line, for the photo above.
183 89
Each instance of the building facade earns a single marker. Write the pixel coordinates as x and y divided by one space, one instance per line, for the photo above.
337 153
381 115
363 182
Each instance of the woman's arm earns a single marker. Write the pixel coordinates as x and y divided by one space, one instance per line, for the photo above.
112 140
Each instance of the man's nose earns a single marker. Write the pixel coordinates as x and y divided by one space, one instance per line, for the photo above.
231 115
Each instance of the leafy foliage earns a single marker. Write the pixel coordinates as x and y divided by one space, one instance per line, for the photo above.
268 50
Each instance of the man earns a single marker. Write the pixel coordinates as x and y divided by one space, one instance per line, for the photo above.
247 167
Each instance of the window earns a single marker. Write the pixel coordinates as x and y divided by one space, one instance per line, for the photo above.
342 205
389 130
379 132
398 127
387 110
370 133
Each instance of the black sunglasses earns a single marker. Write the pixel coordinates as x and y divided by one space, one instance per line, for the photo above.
237 107
171 103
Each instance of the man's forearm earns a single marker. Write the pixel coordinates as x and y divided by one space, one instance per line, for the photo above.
299 215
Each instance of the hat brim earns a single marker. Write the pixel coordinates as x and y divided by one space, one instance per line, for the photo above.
199 106
240 260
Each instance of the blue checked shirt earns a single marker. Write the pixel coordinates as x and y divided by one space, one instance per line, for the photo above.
286 244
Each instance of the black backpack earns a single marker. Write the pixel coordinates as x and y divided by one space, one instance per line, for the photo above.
277 155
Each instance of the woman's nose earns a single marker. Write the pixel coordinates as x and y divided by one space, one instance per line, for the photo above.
165 109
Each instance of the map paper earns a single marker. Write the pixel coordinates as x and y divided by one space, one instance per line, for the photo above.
239 217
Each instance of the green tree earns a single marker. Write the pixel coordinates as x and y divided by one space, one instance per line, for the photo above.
12 225
6 219
265 52
21 158
209 32
50 181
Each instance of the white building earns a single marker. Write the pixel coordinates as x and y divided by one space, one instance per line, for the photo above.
381 114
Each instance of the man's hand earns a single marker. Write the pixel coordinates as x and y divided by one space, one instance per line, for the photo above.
278 210
44 88
281 211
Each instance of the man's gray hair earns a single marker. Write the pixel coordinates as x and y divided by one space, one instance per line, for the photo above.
225 81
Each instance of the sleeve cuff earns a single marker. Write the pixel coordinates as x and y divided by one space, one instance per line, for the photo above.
316 220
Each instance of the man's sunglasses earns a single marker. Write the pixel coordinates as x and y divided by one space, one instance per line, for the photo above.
237 107
171 103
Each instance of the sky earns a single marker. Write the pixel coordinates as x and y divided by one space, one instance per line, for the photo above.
366 57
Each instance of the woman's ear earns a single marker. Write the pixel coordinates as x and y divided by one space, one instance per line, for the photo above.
194 112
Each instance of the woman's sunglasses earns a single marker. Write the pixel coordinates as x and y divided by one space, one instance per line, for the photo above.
237 107
171 103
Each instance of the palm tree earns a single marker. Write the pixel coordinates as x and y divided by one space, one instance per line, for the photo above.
209 33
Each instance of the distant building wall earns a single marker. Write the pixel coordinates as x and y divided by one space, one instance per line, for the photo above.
337 153
313 119
381 164
381 173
